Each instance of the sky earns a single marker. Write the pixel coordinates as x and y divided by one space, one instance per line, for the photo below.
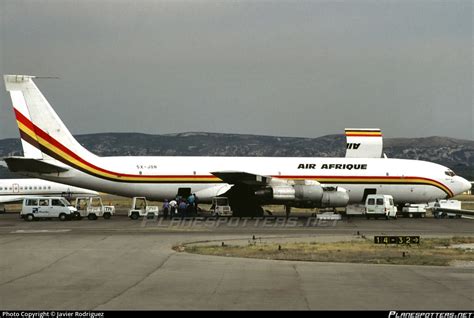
283 68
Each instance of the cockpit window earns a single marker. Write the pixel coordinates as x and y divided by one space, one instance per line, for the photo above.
449 173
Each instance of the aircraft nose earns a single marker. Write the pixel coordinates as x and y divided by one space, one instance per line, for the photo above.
466 185
461 185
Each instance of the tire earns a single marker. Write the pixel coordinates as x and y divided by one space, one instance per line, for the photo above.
410 215
62 217
29 217
92 216
422 215
134 216
106 216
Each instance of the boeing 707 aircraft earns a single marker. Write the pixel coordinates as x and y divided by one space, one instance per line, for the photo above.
52 153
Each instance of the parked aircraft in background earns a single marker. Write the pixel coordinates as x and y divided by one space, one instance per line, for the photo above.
52 153
14 190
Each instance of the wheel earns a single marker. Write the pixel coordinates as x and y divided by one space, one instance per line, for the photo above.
77 216
92 216
30 217
134 216
62 217
422 215
150 215
410 215
106 216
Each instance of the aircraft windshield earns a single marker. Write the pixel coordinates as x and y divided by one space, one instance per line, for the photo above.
449 173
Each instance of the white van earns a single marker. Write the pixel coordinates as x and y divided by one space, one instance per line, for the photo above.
377 205
46 207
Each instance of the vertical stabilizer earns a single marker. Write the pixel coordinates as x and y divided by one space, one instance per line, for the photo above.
29 151
43 134
364 143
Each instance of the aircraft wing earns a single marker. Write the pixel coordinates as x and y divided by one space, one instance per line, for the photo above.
239 177
11 198
22 164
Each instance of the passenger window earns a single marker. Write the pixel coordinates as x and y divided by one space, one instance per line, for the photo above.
371 202
44 202
379 201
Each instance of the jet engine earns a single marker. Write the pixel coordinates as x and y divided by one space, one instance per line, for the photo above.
334 197
307 193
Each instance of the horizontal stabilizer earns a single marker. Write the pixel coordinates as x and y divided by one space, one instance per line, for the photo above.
238 177
21 164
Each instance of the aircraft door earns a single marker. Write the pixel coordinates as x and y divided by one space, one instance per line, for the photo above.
184 193
16 188
367 192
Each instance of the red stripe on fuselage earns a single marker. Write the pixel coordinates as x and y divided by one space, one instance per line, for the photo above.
25 121
58 145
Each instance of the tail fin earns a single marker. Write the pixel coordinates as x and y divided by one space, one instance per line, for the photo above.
43 134
364 143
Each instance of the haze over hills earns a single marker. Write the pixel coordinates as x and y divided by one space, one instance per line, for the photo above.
454 153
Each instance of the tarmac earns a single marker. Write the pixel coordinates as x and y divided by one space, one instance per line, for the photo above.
123 264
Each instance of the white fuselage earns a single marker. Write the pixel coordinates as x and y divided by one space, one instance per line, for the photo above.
12 190
406 180
49 146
